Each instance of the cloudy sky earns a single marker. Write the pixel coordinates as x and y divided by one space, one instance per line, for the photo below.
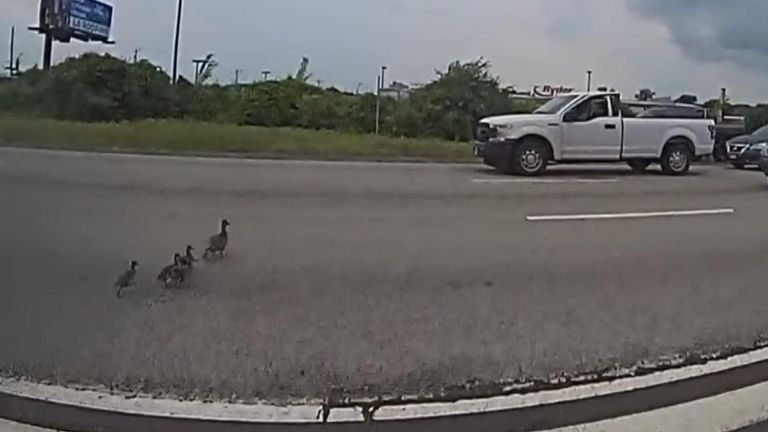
673 46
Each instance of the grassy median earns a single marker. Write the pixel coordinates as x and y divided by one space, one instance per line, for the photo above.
182 137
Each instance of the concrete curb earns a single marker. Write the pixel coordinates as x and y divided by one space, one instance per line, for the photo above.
60 408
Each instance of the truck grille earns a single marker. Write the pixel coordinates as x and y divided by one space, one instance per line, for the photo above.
486 132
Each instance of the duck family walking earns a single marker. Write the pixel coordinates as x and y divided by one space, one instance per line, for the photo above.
176 273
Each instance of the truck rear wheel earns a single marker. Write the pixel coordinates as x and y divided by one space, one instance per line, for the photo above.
676 159
639 165
530 158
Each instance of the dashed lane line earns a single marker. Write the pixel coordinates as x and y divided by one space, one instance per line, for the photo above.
634 215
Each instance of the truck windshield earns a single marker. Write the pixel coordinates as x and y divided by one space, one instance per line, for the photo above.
555 104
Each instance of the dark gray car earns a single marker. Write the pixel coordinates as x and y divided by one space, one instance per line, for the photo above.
746 149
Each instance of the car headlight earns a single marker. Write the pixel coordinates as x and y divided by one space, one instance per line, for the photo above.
759 146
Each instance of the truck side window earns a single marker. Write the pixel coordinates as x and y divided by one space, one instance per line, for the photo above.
616 106
599 108
592 108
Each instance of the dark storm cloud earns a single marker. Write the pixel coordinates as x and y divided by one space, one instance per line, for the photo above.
714 30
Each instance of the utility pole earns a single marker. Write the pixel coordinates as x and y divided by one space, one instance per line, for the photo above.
379 87
10 58
176 42
199 66
17 67
136 55
237 76
265 74
589 80
723 101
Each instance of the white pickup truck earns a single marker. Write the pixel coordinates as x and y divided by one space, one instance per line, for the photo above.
590 127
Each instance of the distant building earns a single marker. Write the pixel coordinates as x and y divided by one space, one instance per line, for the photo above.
397 90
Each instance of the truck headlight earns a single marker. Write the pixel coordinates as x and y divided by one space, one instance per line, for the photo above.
502 130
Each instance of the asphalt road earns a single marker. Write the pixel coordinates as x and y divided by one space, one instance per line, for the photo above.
377 278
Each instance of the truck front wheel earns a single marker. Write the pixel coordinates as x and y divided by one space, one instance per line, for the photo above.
530 158
676 159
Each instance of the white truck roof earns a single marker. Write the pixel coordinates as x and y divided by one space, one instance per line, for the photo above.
592 93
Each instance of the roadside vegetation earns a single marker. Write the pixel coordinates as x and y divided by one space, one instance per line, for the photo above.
201 138
100 102
103 102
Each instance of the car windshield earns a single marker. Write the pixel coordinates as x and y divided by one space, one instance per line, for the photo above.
555 104
416 215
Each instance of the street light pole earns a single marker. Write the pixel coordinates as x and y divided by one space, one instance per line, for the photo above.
176 41
13 43
589 80
379 88
383 80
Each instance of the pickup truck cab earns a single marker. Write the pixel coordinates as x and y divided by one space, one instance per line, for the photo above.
590 127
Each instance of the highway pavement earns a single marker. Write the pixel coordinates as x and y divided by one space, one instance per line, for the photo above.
375 278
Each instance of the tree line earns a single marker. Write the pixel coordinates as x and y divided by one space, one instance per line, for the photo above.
103 88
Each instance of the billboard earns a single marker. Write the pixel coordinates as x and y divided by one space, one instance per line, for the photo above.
54 14
82 19
90 18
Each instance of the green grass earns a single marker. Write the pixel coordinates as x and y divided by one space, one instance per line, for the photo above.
181 137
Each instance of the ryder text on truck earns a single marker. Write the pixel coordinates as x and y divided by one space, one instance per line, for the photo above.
590 127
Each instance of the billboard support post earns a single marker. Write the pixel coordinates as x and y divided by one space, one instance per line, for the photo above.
47 50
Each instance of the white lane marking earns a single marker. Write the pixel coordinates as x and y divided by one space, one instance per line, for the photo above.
545 181
307 413
601 216
725 412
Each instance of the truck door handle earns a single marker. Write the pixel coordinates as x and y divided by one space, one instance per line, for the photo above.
610 126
